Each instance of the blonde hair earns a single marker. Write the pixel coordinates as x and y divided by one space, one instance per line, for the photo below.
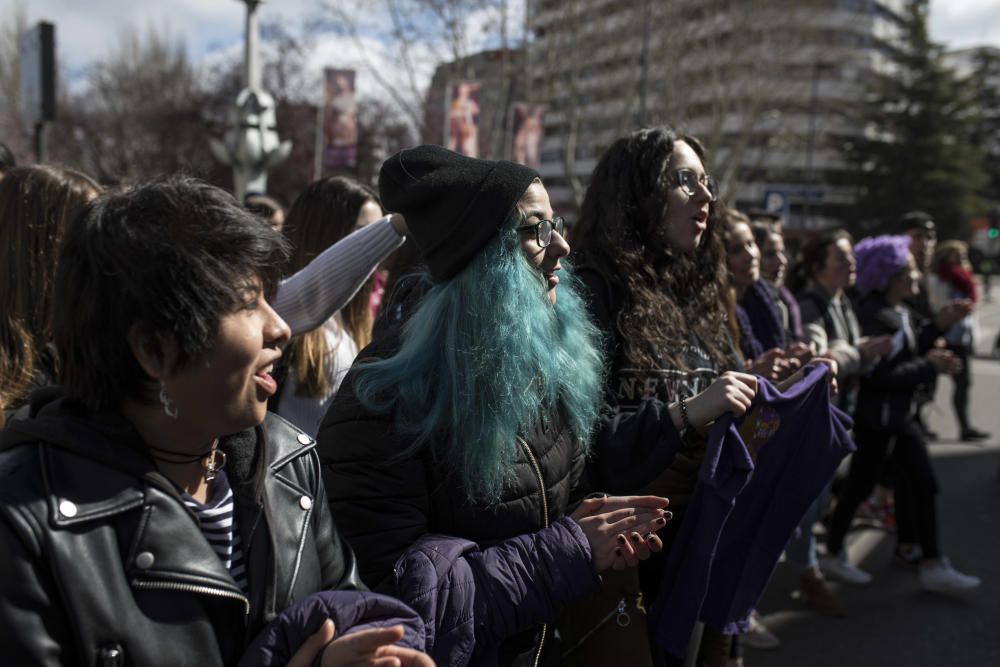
944 250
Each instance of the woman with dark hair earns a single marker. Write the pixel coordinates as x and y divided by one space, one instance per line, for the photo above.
36 204
819 280
473 419
655 271
773 266
151 511
763 340
316 362
887 275
651 255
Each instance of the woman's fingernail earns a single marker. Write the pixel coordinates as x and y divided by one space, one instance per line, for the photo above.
649 536
661 521
669 515
621 539
636 537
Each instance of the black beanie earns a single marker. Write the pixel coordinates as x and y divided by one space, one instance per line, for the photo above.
453 204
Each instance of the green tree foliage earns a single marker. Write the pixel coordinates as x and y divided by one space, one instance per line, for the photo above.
985 88
918 150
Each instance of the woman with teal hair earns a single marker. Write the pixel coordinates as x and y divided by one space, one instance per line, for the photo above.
473 419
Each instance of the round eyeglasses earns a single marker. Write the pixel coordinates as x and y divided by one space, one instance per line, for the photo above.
543 230
689 181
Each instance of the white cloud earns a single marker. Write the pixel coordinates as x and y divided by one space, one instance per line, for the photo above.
963 23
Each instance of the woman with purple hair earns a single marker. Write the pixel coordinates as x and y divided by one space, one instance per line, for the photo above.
887 274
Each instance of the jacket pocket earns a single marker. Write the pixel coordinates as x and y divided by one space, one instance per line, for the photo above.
608 624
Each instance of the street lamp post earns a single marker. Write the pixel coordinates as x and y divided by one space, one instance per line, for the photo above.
251 145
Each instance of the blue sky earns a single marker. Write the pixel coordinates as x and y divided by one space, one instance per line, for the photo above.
87 29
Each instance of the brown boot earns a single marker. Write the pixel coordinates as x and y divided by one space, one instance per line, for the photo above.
817 594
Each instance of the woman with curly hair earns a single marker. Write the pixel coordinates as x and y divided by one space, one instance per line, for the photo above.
654 267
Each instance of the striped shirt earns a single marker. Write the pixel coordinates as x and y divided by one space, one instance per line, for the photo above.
217 520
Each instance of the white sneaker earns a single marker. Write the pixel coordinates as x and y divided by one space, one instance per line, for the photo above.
759 636
839 568
940 577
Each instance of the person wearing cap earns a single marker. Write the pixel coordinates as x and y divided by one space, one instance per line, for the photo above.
887 275
920 227
473 419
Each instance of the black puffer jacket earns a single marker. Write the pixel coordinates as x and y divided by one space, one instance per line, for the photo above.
103 564
383 504
885 398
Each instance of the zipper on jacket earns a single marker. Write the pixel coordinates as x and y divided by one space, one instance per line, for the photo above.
545 524
541 480
191 588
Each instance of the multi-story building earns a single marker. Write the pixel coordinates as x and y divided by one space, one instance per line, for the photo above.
770 86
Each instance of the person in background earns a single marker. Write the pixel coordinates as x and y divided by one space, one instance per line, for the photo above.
763 337
36 204
767 233
474 419
317 361
922 231
7 160
819 280
951 280
757 303
887 275
266 207
154 486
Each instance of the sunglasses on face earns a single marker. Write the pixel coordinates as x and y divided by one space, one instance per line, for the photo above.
543 230
689 181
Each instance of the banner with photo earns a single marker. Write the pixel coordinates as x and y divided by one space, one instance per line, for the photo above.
340 120
462 127
526 134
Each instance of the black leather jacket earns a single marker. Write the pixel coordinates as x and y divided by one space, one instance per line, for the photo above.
102 563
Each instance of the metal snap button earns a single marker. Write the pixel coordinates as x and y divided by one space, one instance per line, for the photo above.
67 509
145 560
304 439
305 502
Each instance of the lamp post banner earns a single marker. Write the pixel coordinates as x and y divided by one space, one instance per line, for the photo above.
526 134
340 120
462 128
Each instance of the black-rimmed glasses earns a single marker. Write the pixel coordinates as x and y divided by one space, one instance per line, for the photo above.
689 181
543 230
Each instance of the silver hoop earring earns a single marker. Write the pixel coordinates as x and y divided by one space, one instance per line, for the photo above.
168 405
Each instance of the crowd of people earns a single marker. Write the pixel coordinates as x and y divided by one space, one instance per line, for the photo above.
432 424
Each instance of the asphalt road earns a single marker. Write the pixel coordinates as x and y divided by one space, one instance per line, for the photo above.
891 621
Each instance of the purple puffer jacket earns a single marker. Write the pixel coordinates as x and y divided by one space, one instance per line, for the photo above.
472 599
350 611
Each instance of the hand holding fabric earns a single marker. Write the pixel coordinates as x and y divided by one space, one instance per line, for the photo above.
731 393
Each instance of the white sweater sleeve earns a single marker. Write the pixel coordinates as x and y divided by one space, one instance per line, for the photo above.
310 297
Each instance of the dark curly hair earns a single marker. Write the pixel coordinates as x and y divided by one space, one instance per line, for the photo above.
668 293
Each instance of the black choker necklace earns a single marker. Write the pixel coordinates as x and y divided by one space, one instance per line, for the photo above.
212 460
